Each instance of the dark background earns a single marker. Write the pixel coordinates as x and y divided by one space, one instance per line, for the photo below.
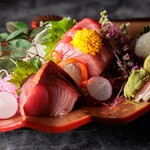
94 136
25 10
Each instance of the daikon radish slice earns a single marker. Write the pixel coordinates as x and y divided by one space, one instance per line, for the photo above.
8 105
74 72
99 88
142 47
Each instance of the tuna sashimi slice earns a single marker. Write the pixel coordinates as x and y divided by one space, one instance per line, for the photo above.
50 92
66 50
96 64
33 99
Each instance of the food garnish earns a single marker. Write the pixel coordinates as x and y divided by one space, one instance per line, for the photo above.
99 88
118 40
8 105
58 62
146 29
142 45
135 82
23 70
146 65
52 32
87 41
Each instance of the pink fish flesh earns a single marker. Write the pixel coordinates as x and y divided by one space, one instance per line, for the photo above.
144 93
66 50
50 92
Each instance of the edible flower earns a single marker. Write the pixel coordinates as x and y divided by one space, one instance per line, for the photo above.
87 41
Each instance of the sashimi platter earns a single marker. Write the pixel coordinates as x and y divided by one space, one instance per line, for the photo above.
62 73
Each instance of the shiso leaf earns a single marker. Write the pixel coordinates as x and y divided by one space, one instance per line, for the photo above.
3 36
20 43
23 70
14 52
14 34
6 64
36 31
16 25
54 30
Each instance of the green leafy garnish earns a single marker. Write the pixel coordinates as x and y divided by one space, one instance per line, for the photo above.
13 52
24 69
20 43
146 29
15 26
14 43
54 30
36 31
8 65
3 36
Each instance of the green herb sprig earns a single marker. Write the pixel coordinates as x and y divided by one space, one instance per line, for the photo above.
13 44
24 69
146 29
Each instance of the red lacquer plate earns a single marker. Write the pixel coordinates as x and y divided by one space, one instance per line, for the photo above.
123 112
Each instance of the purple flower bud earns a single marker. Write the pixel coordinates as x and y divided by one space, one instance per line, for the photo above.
119 63
126 57
108 36
122 40
136 67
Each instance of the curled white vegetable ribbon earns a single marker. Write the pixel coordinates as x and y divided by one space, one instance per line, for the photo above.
7 86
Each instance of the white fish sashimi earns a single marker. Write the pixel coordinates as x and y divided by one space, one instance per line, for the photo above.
144 93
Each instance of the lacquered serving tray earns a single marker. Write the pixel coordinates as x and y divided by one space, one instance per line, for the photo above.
123 112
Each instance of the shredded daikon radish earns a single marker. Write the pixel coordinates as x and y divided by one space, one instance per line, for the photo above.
7 86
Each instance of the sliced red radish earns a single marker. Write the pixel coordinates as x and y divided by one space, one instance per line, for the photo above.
99 88
8 105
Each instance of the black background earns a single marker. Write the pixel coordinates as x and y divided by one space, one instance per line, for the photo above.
94 136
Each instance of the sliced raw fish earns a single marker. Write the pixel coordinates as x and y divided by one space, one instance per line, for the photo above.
66 50
144 93
50 92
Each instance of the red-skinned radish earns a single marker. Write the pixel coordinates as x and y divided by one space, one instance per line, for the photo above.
8 105
99 88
